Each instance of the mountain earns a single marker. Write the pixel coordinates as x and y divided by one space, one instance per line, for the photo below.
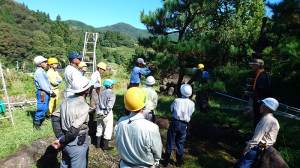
78 24
126 29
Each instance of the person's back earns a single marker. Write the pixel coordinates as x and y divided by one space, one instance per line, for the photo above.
136 139
182 109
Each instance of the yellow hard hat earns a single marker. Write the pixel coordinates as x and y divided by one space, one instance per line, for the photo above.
102 65
135 99
200 66
82 64
52 61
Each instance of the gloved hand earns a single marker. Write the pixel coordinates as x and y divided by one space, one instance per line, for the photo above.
53 94
59 80
152 68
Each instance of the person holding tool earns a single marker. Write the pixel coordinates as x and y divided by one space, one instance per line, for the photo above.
71 127
44 91
54 79
137 71
105 117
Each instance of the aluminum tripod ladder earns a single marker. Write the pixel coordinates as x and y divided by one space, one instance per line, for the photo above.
7 100
90 39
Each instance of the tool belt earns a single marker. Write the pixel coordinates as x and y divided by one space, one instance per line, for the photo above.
262 149
180 121
81 138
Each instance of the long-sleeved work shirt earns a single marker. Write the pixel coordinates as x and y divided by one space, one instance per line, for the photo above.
96 78
71 73
74 113
262 90
182 109
266 131
138 141
151 98
54 78
106 100
136 73
41 80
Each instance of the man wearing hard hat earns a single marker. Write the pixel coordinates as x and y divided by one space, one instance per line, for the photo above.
151 103
82 68
54 79
182 110
202 76
95 89
261 88
44 91
105 116
71 127
71 72
137 71
265 134
138 140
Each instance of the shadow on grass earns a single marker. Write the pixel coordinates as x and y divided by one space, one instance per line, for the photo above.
49 159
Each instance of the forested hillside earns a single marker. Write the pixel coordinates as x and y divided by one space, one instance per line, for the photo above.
25 34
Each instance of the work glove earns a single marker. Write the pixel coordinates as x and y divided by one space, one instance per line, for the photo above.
59 80
152 68
53 95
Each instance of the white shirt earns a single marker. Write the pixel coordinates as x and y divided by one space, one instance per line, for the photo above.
96 78
71 73
182 109
138 142
266 131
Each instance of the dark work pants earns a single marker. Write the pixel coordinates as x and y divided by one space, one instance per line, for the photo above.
176 134
257 115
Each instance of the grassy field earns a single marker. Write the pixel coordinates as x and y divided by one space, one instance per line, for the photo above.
201 148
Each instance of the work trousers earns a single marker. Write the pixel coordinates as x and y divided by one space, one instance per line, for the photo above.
42 107
52 102
256 113
176 133
105 126
93 101
247 160
74 155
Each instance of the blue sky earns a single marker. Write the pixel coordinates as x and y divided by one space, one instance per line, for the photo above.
97 13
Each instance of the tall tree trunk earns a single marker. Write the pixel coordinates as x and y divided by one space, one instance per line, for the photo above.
179 84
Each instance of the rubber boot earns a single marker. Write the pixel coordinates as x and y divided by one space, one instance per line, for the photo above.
106 145
37 125
98 138
179 159
166 161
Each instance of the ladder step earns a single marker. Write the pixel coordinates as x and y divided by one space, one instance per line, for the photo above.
89 52
88 62
2 90
90 42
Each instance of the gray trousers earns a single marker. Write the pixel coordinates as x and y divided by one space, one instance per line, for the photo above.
75 156
93 101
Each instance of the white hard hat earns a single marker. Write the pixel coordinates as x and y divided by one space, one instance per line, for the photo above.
186 90
80 84
271 103
39 59
150 80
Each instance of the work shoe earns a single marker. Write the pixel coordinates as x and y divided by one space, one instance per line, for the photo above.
98 141
106 145
178 159
165 162
42 122
37 125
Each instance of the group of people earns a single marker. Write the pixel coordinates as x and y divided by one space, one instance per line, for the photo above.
136 135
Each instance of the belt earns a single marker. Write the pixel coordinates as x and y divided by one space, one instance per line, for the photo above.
180 120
